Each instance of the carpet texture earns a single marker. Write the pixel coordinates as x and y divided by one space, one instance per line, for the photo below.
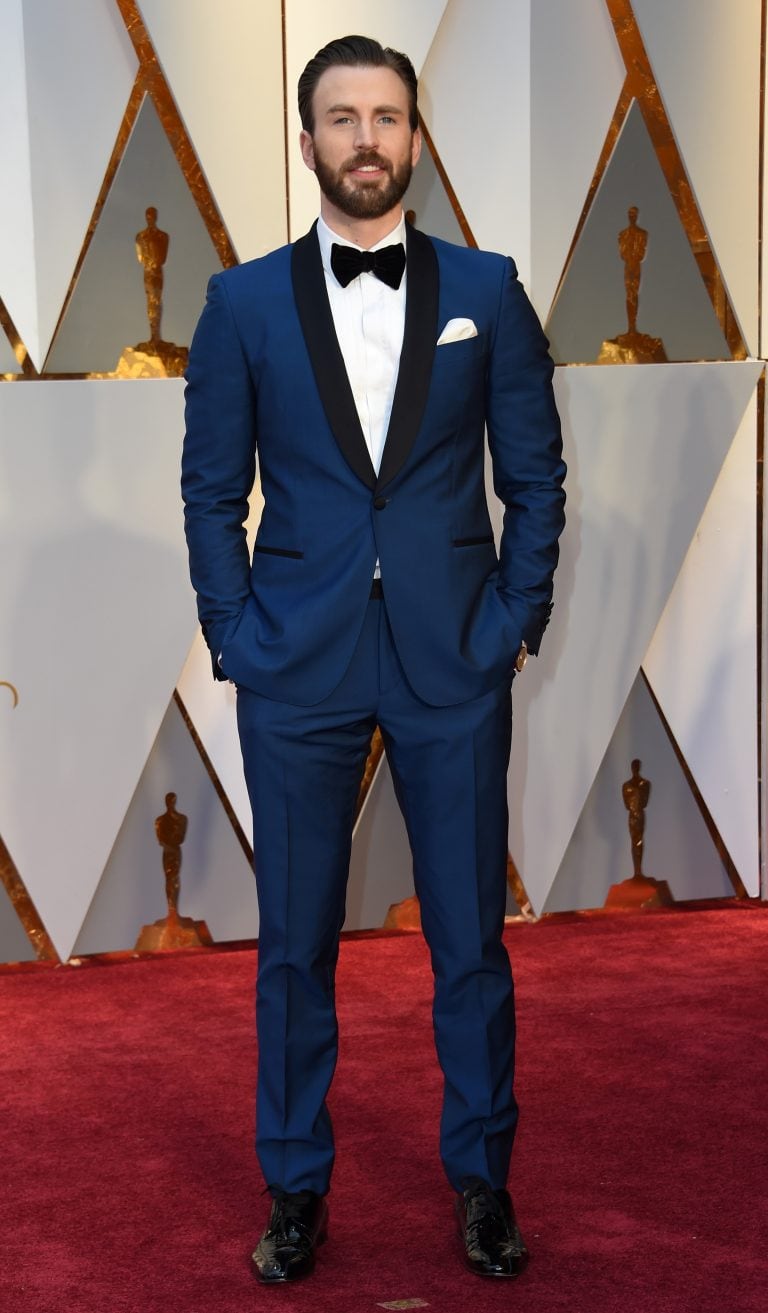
640 1173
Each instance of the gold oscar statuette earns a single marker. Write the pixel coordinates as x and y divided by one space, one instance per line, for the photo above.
640 891
154 358
173 930
632 348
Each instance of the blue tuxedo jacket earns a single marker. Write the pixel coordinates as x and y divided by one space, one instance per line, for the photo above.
266 375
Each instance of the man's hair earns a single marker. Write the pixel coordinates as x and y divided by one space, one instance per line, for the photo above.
355 52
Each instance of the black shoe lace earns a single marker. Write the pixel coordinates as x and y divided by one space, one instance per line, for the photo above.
288 1220
487 1223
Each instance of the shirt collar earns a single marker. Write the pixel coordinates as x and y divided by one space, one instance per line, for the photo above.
326 237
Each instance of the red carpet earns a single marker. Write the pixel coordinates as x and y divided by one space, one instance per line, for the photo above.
641 1172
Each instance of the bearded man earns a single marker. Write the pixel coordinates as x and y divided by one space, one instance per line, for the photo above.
364 364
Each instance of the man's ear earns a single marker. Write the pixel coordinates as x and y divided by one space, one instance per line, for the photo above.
307 147
416 144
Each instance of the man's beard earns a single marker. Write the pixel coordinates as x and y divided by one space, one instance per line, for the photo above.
356 198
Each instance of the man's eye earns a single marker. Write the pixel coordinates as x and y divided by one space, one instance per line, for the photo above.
344 118
386 118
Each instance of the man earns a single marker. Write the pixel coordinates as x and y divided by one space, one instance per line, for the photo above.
364 362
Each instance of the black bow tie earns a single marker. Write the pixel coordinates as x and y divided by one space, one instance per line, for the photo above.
386 264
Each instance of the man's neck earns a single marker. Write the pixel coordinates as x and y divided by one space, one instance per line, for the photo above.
363 232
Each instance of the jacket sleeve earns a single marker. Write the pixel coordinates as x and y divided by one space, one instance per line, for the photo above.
526 452
218 468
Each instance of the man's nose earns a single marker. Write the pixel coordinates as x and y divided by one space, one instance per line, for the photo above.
366 136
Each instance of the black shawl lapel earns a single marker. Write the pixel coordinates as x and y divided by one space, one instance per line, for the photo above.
325 355
419 340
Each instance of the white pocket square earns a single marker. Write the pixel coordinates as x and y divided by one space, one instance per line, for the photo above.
456 330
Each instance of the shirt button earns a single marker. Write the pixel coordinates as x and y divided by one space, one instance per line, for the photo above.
379 503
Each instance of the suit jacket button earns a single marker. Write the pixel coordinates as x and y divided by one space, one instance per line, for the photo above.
379 503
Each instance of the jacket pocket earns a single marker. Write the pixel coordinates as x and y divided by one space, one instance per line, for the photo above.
473 542
279 551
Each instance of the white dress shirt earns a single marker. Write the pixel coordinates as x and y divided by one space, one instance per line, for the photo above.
369 318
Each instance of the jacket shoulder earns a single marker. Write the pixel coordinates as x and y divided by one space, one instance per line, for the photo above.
260 270
471 258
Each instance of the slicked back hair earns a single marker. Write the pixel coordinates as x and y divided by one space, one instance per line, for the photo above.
356 52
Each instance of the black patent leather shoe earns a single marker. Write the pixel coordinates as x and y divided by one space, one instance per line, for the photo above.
493 1246
298 1223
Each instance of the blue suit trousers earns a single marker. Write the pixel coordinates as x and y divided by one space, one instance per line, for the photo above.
303 768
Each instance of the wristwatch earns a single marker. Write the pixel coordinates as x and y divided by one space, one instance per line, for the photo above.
522 656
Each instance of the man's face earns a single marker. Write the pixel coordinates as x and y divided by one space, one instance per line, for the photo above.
362 149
